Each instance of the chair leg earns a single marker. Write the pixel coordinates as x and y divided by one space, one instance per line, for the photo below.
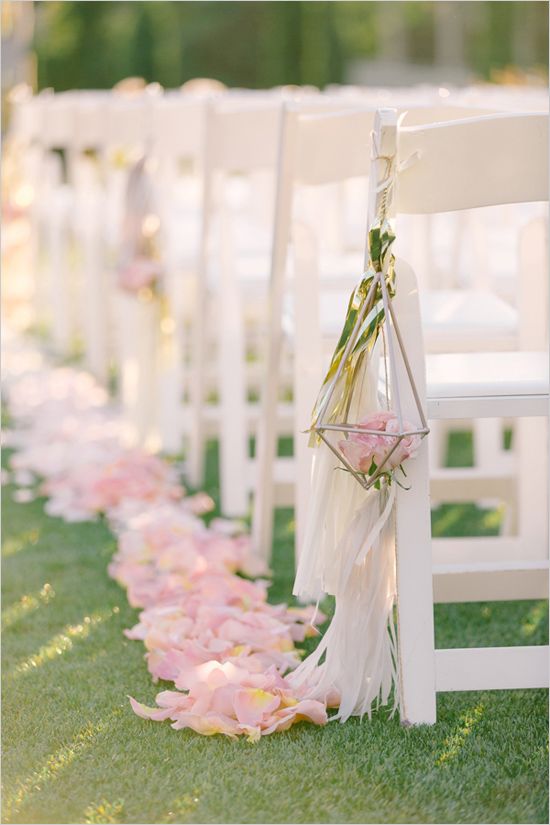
532 450
195 447
232 383
95 290
415 596
264 494
308 356
413 532
59 283
196 442
126 330
266 444
170 383
146 410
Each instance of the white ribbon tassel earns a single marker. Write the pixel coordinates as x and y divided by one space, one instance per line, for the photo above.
349 552
359 647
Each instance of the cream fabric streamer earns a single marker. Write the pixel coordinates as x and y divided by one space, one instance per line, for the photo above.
349 552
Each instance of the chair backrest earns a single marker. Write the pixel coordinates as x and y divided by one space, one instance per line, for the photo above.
243 136
336 146
332 148
57 118
463 164
24 122
177 127
128 120
90 119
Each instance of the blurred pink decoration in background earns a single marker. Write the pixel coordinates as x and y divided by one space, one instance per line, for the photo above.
141 272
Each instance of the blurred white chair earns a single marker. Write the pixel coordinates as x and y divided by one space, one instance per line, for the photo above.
55 127
177 146
240 137
125 138
89 230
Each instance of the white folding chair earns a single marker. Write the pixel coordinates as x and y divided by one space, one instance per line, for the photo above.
460 165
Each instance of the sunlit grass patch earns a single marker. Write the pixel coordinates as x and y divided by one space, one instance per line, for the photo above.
536 617
182 807
28 603
16 543
465 519
54 764
454 744
104 811
62 642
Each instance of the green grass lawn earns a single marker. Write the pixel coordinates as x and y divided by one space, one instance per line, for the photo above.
75 752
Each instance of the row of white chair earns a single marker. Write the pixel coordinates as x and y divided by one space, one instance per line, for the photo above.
302 157
240 126
245 133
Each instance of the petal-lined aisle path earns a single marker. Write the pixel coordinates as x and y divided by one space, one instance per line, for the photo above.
74 752
204 625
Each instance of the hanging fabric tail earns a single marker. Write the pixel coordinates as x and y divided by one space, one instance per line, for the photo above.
349 552
359 647
335 498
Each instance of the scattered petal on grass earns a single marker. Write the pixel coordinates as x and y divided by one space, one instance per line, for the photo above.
24 478
23 496
205 627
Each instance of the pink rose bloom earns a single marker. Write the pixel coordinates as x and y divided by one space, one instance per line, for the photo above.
361 449
140 272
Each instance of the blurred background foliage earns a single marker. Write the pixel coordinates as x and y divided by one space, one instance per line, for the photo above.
263 44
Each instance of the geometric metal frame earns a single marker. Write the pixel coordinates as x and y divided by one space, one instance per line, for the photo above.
381 189
321 426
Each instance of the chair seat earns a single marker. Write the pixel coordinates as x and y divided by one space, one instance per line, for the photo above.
454 375
451 319
466 318
479 384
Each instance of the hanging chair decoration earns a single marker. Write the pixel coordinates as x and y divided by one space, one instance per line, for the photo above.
148 340
140 267
361 441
